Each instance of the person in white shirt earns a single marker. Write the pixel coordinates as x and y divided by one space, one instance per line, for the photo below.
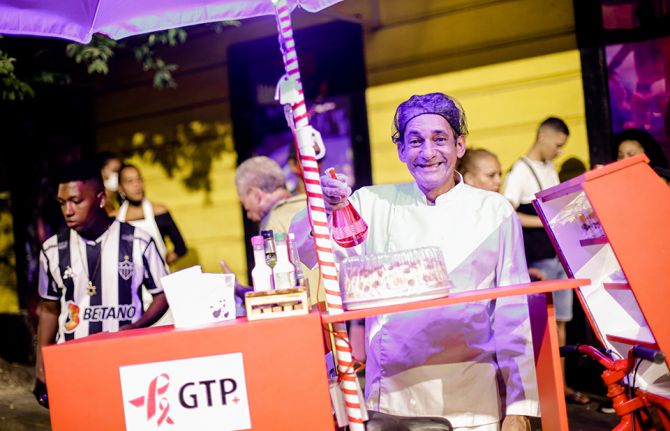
443 362
529 175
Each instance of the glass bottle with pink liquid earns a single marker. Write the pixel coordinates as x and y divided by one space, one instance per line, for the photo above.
348 227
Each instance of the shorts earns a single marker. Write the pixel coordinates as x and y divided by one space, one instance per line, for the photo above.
553 269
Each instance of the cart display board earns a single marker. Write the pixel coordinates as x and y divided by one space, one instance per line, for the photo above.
543 327
612 225
236 375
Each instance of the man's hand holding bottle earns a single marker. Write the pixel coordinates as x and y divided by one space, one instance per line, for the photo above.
335 190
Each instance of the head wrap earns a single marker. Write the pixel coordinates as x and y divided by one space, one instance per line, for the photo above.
433 103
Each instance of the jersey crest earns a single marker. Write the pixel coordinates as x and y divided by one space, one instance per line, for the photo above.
126 268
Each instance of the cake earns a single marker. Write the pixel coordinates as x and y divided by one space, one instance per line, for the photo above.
390 278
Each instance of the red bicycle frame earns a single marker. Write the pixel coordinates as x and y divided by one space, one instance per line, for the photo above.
634 412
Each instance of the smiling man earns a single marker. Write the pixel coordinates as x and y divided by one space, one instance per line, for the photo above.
443 362
91 271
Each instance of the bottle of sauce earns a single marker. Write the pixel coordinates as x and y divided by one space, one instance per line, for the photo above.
283 272
261 275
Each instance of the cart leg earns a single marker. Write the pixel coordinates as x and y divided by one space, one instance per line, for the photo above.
548 362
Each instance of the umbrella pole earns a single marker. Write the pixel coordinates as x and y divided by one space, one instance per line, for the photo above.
318 219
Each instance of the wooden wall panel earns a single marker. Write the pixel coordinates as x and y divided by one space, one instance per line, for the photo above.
421 38
196 89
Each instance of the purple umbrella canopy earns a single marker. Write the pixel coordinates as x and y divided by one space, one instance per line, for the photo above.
77 20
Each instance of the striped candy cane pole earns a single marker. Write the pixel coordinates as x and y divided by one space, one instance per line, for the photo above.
319 220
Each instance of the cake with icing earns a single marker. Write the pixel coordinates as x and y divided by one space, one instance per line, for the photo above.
390 278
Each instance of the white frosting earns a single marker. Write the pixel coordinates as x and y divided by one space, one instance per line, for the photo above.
407 273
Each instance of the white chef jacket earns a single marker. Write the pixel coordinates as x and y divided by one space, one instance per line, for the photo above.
446 361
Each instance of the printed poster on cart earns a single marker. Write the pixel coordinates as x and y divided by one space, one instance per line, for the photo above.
206 393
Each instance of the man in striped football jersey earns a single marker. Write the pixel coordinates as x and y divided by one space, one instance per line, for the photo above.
91 272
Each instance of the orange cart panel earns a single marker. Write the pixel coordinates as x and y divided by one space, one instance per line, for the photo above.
283 360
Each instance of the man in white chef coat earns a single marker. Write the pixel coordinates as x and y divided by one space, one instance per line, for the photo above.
471 363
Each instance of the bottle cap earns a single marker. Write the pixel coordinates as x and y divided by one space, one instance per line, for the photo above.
257 240
280 236
291 236
266 233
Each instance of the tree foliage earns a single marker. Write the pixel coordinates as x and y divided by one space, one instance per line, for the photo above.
13 88
96 56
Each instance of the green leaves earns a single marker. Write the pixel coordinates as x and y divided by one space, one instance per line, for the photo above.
163 74
171 37
146 55
12 87
95 55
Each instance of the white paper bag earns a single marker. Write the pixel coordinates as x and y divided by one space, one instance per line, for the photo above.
198 298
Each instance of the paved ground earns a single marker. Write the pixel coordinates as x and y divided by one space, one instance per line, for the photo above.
20 412
588 418
18 409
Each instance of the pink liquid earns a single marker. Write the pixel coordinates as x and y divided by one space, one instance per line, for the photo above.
349 229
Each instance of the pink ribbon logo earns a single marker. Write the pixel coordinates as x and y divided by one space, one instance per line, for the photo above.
157 387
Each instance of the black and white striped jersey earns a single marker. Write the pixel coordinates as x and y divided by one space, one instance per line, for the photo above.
98 282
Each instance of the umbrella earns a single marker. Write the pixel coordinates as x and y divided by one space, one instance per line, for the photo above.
77 20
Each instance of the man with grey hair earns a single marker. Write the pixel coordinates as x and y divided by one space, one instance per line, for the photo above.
261 186
443 362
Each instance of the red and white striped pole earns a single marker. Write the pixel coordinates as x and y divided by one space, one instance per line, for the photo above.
319 220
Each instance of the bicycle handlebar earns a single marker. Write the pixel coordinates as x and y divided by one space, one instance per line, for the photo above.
646 353
568 350
590 351
652 355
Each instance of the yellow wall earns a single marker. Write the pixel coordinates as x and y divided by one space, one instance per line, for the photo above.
504 104
211 225
428 37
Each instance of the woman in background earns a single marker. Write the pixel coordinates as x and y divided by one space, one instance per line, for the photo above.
632 142
481 169
151 217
